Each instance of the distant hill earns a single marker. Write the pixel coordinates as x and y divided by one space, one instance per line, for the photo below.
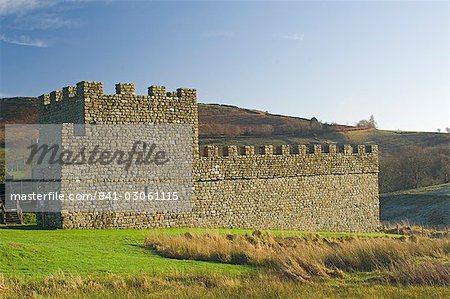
407 159
230 121
21 110
18 110
429 206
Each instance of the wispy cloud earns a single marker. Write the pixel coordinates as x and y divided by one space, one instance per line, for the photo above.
37 14
9 7
51 21
32 15
295 36
41 21
24 40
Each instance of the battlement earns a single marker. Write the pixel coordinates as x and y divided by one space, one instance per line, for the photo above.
86 103
268 161
125 88
69 92
94 90
209 151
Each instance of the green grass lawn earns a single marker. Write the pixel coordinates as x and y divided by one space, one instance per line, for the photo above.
43 252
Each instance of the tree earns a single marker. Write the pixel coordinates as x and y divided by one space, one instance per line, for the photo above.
439 130
414 166
364 123
372 122
447 129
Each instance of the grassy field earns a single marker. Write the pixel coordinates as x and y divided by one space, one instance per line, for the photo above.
120 264
38 253
27 251
428 206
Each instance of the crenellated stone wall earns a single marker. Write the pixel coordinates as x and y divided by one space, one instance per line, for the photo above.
305 187
287 187
87 104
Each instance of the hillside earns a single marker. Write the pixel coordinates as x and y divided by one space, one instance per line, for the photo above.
407 159
223 124
21 110
18 109
429 206
230 121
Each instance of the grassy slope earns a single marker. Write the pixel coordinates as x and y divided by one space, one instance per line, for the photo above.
44 252
427 205
389 141
32 252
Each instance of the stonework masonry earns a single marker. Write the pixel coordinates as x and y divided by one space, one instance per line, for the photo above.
302 187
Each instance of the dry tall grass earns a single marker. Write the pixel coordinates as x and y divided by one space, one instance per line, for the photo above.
208 285
411 260
408 229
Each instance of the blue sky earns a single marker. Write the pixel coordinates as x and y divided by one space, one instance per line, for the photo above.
337 61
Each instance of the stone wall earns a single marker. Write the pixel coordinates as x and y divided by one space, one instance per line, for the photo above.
287 187
306 187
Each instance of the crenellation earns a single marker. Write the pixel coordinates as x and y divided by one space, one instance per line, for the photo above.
303 149
332 149
348 149
285 149
230 151
44 99
317 149
361 149
157 91
187 92
210 151
91 88
247 150
69 92
55 96
374 149
125 88
267 150
294 149
277 150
